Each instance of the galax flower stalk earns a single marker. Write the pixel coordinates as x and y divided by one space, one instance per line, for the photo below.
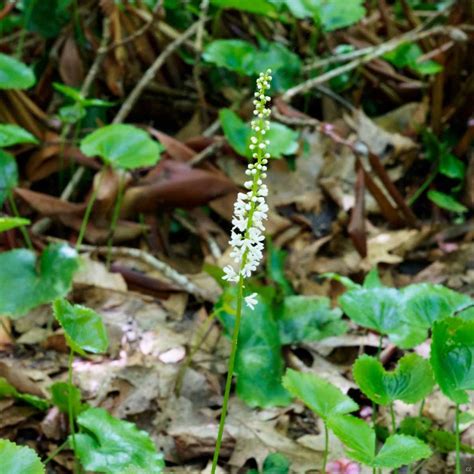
247 239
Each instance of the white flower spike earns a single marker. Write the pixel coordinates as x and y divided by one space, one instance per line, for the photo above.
250 208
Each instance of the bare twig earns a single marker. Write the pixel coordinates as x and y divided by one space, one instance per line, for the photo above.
208 151
366 55
150 73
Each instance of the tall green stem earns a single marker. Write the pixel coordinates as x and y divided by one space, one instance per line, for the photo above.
228 384
70 407
458 443
115 216
23 231
392 416
90 205
326 448
374 405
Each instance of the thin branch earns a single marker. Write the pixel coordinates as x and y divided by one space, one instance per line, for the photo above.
368 55
150 73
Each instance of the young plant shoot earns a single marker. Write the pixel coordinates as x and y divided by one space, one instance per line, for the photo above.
250 210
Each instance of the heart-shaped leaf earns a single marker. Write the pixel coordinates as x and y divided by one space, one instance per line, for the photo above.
109 445
8 390
322 397
7 223
283 140
19 459
25 284
309 318
14 74
236 55
452 357
83 327
122 146
259 362
13 135
374 308
360 441
8 174
411 381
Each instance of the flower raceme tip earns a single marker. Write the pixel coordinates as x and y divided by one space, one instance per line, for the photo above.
250 208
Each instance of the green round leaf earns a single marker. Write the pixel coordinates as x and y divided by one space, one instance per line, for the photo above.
309 318
83 327
374 308
235 55
7 223
109 445
13 134
26 283
276 463
60 397
411 381
122 146
452 357
8 174
17 459
401 450
322 397
14 74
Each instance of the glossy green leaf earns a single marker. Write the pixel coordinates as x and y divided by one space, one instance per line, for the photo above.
360 441
17 459
343 280
452 357
72 113
8 390
309 318
407 55
374 308
451 166
11 134
372 279
122 146
276 267
235 55
356 435
259 362
411 381
8 174
260 7
60 397
83 327
46 17
15 74
283 140
331 14
109 445
276 463
7 223
322 397
445 201
401 450
26 283
69 92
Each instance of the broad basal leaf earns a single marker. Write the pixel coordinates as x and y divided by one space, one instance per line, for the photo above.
360 441
236 55
401 450
17 459
283 140
8 174
374 308
452 357
411 381
26 283
11 134
309 318
122 146
322 397
83 327
259 362
14 74
8 390
109 445
276 267
7 223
